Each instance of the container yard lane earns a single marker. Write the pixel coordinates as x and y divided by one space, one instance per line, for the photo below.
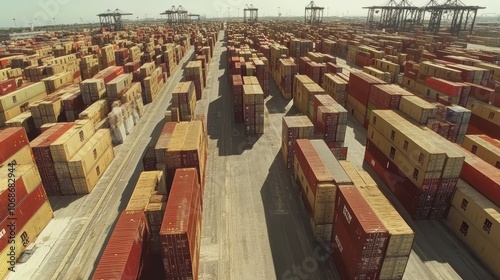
70 246
254 224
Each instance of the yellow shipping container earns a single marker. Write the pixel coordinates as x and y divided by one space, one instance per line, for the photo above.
485 147
417 109
481 212
95 112
66 146
148 183
85 185
409 139
20 96
482 248
87 157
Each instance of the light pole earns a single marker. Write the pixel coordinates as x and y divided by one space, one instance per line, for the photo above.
263 13
54 20
327 11
279 14
228 12
238 15
15 24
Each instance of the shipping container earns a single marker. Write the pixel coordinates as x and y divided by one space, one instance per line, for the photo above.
359 237
13 140
68 144
485 147
180 232
482 248
124 254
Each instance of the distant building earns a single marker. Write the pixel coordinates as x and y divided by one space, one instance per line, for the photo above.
26 35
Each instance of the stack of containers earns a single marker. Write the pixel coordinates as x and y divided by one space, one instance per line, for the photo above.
73 104
474 219
419 110
149 159
81 177
359 236
43 158
24 189
262 73
121 56
485 147
385 97
318 174
485 119
89 163
127 250
187 148
293 128
193 72
184 100
481 175
237 90
118 85
253 101
92 90
426 165
152 85
336 87
359 88
303 90
150 185
180 233
10 103
161 146
287 69
459 118
330 123
401 236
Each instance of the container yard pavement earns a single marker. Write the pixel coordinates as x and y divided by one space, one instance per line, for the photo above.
71 245
254 225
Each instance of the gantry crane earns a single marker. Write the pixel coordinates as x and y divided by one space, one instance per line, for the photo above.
313 14
253 13
171 15
112 20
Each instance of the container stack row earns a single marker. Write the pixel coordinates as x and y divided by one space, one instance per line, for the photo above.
25 210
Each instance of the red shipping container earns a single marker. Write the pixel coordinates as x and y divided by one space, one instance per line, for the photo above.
484 126
23 212
7 86
12 140
410 196
359 235
360 85
125 252
43 157
481 93
181 225
449 88
482 176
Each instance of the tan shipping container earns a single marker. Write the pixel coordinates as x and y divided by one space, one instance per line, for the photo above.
66 146
482 248
144 189
412 171
31 230
20 96
96 112
26 172
481 212
485 147
485 111
393 268
417 109
87 157
414 143
85 185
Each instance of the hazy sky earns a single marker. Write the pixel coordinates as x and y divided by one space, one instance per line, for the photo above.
75 11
